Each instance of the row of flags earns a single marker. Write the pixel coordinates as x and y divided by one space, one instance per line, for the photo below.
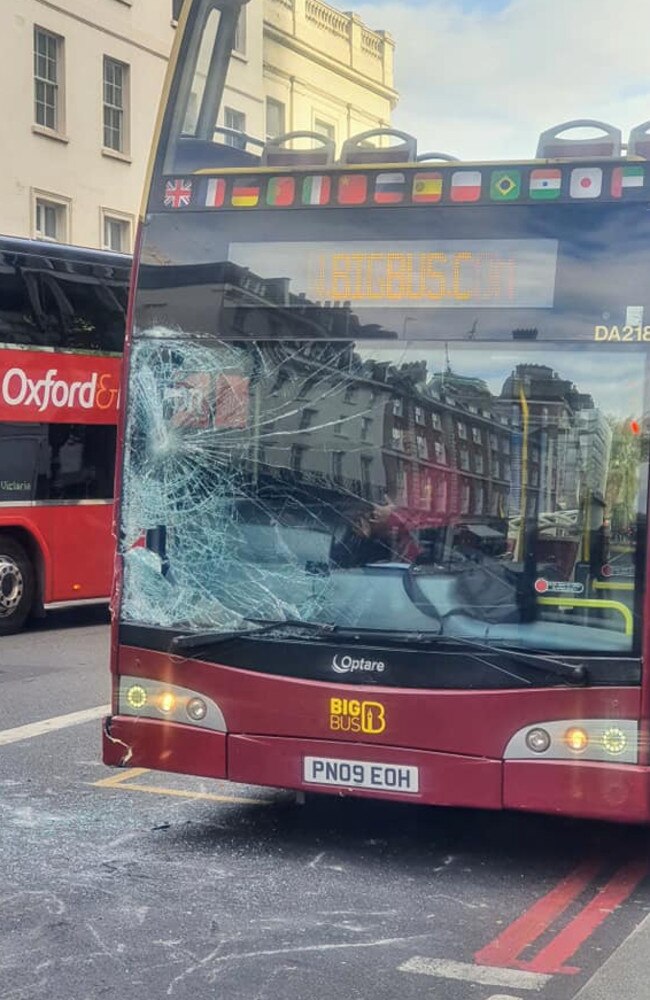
402 187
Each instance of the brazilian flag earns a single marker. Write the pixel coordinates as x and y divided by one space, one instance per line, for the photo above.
505 185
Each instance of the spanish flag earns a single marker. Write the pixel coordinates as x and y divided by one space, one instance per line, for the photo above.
427 187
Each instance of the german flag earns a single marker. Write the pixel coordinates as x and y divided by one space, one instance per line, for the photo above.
245 193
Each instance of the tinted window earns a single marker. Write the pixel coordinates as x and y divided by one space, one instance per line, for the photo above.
64 302
56 462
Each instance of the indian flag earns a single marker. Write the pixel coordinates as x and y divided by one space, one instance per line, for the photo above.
316 190
626 179
545 184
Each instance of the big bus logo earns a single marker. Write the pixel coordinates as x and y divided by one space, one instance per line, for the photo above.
18 389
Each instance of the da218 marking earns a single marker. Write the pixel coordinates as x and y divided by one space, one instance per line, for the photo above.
618 334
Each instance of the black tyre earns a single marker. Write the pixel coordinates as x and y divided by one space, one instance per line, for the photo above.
17 585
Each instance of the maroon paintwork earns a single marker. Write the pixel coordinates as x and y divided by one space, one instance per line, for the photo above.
456 738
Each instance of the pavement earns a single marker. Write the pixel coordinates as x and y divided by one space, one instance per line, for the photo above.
626 974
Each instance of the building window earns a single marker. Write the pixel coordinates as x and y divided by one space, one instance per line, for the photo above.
116 75
337 465
239 44
493 441
478 499
478 463
422 446
48 76
297 453
366 475
339 426
506 445
398 408
50 220
325 128
398 438
436 421
464 459
275 118
441 494
440 452
117 234
366 427
419 415
476 435
462 431
306 418
464 498
235 120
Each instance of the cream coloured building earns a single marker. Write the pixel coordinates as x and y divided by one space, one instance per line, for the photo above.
81 80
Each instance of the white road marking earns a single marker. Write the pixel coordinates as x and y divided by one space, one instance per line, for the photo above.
51 725
485 975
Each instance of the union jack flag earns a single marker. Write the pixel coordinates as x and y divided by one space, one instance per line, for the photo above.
178 194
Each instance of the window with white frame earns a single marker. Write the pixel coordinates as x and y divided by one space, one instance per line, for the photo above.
462 430
440 452
436 421
419 415
422 446
117 234
235 120
50 220
476 435
325 128
239 44
48 79
116 78
275 118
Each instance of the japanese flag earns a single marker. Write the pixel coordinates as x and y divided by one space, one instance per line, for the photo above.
586 182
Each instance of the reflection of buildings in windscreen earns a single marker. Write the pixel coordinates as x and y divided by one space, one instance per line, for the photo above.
239 303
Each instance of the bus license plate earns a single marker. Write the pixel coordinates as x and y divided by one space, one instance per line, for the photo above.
361 774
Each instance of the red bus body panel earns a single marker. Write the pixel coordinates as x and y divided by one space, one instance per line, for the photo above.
456 738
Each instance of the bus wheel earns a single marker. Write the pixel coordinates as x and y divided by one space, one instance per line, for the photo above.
16 586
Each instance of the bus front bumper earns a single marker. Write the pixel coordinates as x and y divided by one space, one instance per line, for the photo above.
613 792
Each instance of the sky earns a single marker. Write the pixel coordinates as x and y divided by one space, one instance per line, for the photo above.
492 74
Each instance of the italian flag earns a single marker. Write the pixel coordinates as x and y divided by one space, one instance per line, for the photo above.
316 190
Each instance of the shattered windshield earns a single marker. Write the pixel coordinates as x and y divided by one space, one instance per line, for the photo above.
399 486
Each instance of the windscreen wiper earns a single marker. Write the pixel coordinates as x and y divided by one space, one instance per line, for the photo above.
259 626
572 672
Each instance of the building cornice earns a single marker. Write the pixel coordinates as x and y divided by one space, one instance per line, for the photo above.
316 56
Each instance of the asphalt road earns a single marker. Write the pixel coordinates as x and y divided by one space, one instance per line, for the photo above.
139 885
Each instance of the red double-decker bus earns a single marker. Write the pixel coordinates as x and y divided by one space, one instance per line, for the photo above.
384 479
62 318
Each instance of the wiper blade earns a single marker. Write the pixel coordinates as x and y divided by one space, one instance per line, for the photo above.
572 672
260 626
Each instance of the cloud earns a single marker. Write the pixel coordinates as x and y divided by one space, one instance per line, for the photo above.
484 82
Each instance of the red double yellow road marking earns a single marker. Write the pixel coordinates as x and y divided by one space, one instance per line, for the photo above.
504 950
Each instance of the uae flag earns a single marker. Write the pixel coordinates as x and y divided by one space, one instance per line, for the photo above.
586 182
216 192
389 189
625 180
545 185
280 191
353 189
316 190
466 185
427 187
245 193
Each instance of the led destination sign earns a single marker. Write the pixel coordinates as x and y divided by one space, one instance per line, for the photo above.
423 274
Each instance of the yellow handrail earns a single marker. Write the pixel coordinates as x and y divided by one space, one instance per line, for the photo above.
586 602
615 585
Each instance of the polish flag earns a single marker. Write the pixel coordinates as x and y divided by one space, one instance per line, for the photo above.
466 185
